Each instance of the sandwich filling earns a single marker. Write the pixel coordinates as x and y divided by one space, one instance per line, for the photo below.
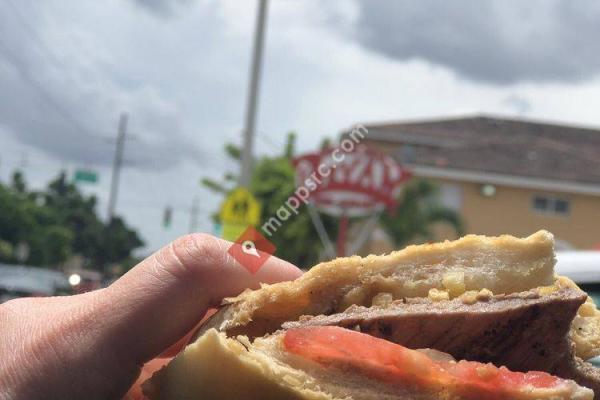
394 364
523 331
526 331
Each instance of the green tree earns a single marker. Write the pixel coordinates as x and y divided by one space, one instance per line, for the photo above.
14 222
77 213
24 221
117 242
57 223
6 250
101 244
18 182
50 245
417 212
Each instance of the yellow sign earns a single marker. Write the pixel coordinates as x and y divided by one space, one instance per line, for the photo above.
232 232
240 208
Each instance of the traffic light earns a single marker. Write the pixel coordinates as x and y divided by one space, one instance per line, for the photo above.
167 216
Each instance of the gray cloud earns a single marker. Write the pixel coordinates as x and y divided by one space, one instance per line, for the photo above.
162 7
498 41
68 106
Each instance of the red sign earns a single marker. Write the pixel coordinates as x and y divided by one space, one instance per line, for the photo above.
351 183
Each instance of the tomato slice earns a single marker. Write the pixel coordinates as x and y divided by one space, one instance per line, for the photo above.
394 364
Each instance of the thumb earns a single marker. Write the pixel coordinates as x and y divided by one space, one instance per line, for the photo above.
162 298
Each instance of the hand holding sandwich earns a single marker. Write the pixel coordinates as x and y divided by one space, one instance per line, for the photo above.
478 318
93 345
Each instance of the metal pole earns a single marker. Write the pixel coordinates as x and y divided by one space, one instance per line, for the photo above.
316 220
365 232
342 233
252 102
117 163
194 215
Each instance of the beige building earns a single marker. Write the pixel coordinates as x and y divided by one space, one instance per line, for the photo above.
504 175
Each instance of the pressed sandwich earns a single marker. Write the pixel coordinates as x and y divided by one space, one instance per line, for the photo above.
477 318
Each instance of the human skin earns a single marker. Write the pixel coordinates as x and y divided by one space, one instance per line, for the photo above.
93 345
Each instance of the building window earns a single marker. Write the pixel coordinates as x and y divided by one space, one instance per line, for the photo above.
550 205
541 203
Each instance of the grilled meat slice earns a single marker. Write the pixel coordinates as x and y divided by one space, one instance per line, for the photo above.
522 331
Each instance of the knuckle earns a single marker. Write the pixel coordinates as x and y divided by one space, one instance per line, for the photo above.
190 253
197 247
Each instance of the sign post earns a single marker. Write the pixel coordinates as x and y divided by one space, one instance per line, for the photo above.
341 239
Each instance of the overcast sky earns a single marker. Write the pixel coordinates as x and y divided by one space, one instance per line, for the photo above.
180 69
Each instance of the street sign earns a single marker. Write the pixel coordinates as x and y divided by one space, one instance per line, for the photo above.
232 232
86 175
240 208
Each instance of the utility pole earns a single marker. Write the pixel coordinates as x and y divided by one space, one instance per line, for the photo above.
24 162
252 101
116 168
194 215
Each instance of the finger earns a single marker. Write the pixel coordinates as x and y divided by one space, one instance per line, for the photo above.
135 392
162 298
176 347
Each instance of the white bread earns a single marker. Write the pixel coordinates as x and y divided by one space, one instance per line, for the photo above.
218 367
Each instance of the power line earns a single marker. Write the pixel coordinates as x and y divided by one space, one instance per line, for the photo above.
194 211
275 143
275 151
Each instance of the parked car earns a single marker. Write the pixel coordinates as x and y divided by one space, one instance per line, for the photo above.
583 267
21 281
83 280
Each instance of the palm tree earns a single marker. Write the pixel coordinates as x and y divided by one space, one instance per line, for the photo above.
417 211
